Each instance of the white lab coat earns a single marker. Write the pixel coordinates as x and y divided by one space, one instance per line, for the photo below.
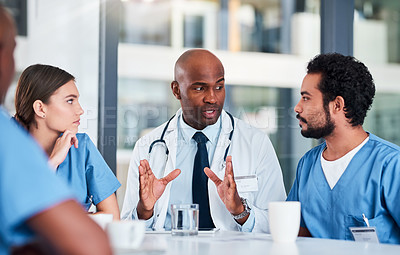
252 154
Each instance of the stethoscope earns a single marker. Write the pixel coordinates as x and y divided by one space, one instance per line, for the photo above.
161 140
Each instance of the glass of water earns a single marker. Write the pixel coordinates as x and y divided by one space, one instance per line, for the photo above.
184 219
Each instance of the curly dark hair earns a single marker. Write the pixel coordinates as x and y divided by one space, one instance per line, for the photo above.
347 77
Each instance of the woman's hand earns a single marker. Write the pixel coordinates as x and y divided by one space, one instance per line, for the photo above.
61 148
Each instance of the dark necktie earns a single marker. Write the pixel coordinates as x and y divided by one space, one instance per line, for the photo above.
199 181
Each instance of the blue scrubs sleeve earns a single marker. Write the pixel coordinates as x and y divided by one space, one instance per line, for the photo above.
29 188
391 187
27 185
101 181
294 191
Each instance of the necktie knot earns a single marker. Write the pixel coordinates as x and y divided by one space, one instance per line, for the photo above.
199 137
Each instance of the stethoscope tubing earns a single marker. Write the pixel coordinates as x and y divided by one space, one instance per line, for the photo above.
161 140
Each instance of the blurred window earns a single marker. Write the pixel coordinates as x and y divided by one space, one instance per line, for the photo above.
377 31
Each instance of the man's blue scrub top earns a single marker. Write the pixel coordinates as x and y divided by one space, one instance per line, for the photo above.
27 185
87 173
370 185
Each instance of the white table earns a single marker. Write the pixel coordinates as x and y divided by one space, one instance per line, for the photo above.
236 243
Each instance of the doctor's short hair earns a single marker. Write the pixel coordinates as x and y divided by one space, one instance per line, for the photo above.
37 82
347 77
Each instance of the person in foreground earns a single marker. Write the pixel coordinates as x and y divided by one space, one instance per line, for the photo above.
354 176
34 203
46 103
201 134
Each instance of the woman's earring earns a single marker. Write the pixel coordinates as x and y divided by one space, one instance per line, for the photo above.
44 116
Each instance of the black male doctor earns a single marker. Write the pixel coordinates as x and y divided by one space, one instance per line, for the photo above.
203 155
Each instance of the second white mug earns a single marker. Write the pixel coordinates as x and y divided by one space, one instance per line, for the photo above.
284 220
126 234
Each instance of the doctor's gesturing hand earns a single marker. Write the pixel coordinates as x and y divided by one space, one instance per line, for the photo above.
151 189
61 148
227 190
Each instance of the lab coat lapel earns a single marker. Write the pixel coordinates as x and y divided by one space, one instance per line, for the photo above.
219 214
218 163
170 137
171 141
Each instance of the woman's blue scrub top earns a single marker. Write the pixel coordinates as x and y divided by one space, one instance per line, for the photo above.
87 173
370 185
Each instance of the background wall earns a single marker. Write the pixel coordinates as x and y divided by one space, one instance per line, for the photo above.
64 34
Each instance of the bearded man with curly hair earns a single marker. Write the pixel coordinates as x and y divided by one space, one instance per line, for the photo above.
352 179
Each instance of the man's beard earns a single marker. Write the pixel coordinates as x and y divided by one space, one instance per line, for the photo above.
318 132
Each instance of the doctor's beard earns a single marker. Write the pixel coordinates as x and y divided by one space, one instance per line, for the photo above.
318 131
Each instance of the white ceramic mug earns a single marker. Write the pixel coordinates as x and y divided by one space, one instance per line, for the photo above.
126 234
102 219
284 220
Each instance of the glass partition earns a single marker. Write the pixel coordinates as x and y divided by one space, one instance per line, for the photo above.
383 119
377 44
377 30
253 25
